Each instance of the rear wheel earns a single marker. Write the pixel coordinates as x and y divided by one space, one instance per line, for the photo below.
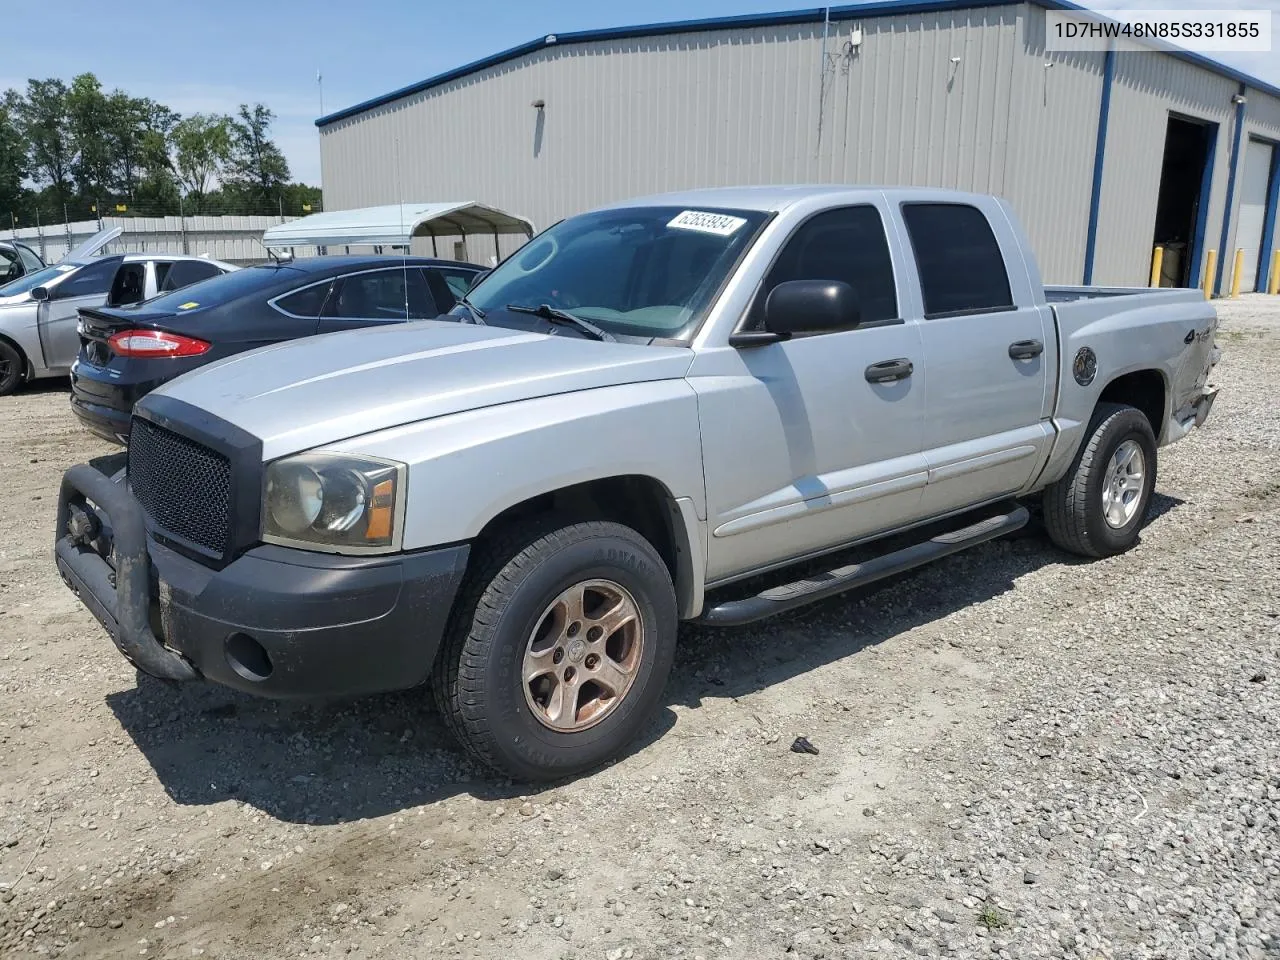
1098 507
560 646
13 367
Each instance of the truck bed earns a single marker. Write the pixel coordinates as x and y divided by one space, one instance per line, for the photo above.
1153 295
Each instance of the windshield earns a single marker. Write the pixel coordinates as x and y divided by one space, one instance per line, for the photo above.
40 278
223 288
633 271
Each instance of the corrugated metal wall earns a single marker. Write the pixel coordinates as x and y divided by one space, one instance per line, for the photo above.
1147 88
644 115
1052 135
955 99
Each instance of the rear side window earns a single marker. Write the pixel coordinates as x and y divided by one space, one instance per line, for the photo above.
129 285
306 302
961 267
183 273
847 244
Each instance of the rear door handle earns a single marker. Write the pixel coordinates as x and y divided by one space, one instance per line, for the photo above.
887 371
1026 349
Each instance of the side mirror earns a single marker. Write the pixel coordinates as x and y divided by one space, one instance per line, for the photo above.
477 278
40 293
811 306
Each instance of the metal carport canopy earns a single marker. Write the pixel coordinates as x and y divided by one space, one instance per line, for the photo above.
394 225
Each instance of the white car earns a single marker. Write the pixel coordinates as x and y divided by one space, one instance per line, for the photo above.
38 312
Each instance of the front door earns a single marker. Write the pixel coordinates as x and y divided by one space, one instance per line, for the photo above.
58 316
987 401
803 449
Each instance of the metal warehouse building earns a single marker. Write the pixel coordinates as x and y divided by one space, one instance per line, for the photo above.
1103 155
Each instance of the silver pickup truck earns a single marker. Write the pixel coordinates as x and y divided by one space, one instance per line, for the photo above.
664 410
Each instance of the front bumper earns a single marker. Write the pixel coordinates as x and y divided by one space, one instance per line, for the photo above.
275 621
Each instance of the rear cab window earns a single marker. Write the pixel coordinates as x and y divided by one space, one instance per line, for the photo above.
961 267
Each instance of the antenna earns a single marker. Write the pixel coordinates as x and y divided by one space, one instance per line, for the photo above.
404 259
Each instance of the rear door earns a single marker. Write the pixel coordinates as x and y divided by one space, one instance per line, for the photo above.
986 345
86 287
374 297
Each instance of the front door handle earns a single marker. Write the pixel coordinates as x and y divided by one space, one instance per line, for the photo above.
889 371
1026 349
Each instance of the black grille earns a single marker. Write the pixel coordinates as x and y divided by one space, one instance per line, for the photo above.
184 487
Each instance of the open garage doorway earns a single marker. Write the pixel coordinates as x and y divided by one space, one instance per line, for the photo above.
1183 205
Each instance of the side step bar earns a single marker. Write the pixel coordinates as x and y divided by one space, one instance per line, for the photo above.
791 595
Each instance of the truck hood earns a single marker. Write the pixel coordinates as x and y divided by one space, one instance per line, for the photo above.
305 393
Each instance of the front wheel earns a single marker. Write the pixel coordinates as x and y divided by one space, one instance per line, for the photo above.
1098 507
12 368
559 648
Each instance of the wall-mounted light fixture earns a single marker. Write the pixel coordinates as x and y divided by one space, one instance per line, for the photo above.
1238 98
538 104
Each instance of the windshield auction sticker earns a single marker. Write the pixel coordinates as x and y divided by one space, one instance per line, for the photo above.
722 225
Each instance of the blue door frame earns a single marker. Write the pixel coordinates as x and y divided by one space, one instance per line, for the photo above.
1236 138
1269 221
1196 253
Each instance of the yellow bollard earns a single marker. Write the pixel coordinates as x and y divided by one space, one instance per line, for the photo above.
1210 264
1237 269
1157 262
1273 287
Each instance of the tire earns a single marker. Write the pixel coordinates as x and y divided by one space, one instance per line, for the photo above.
13 368
1076 506
516 610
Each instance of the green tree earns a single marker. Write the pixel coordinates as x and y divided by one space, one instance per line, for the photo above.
138 133
201 148
13 159
43 123
256 168
89 122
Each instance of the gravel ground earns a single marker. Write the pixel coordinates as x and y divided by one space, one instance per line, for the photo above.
1021 756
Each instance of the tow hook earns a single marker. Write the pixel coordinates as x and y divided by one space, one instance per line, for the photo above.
82 525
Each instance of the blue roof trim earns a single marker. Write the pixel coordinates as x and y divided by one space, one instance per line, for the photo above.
785 17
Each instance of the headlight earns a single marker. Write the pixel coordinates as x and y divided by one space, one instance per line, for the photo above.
333 500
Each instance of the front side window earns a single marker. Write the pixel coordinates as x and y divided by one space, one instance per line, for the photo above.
449 285
848 245
961 267
634 271
93 279
395 294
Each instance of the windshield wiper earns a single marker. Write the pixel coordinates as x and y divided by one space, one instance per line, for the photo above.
556 315
477 315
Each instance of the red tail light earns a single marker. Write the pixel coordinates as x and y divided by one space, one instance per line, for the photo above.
155 343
